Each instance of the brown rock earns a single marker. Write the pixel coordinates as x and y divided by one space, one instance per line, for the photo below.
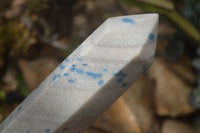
140 99
171 126
118 119
172 93
94 130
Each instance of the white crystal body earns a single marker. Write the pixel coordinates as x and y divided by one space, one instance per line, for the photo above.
87 82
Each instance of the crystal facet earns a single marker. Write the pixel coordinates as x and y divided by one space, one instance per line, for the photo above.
87 82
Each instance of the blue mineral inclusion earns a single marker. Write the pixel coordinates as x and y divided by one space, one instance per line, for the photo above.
56 76
66 60
78 59
119 80
94 75
100 82
72 69
120 74
71 81
151 37
20 107
128 20
80 71
105 70
66 74
47 130
124 84
10 117
84 64
114 74
143 69
61 66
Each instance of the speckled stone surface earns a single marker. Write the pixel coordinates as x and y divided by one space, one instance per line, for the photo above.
87 82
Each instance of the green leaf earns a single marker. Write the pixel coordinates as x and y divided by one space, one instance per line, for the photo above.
22 86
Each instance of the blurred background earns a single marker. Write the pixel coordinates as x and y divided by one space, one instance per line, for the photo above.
36 35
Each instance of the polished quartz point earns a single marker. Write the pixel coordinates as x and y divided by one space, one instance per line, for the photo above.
87 82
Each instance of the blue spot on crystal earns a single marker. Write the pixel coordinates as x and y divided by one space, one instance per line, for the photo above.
105 70
20 107
143 69
128 20
80 71
94 75
84 64
10 117
55 77
27 131
71 81
78 59
73 65
124 84
66 74
151 37
47 130
114 74
61 66
72 69
66 60
98 75
121 74
119 80
100 82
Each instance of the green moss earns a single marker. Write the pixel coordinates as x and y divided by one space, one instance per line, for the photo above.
2 95
16 37
22 86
